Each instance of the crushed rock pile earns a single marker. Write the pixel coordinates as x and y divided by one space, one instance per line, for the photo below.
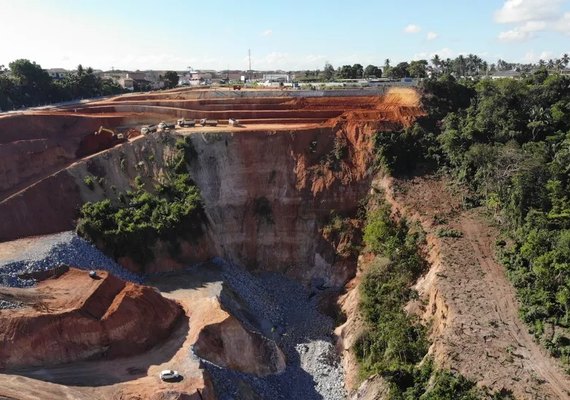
51 251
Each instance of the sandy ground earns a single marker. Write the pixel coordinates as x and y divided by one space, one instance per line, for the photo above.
132 377
471 303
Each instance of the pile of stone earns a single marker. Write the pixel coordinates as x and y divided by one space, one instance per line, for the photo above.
48 252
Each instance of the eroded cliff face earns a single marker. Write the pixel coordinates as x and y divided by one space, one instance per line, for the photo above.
267 192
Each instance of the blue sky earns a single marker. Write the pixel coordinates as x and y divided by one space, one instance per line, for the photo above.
176 34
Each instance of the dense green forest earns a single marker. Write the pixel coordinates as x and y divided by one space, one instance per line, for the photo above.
508 142
26 84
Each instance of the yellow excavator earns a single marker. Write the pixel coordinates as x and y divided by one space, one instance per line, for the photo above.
119 136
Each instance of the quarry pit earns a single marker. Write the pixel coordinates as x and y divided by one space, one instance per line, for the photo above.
247 310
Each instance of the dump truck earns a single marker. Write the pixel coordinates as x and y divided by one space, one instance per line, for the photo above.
182 122
208 122
164 127
145 130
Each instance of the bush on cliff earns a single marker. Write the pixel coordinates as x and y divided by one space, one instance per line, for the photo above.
394 341
131 226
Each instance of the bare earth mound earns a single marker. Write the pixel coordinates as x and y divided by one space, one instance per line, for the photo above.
74 317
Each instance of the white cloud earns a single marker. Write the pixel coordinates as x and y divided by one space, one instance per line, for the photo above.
532 57
514 35
530 17
563 24
514 11
443 53
267 32
431 36
412 28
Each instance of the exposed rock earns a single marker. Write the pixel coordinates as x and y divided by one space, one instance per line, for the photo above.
228 344
74 317
294 164
373 388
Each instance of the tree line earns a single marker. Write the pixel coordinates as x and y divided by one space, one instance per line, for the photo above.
508 142
460 66
26 84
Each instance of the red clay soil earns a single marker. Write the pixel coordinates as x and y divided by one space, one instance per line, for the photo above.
47 199
73 317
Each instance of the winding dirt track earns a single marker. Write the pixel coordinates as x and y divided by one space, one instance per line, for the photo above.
472 306
504 297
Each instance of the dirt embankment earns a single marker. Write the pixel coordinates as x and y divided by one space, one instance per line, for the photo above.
74 317
33 146
471 305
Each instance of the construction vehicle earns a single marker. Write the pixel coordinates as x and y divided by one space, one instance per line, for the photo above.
237 87
164 127
182 122
145 130
208 122
233 122
114 135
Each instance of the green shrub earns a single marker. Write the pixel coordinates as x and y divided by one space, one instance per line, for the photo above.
449 232
132 226
89 181
394 341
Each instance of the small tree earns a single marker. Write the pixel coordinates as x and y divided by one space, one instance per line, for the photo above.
346 72
357 71
328 72
170 79
372 71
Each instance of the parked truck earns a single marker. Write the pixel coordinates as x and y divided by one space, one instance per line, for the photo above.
183 122
145 130
208 122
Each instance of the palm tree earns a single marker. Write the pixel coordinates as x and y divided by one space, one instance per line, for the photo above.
565 60
436 61
539 121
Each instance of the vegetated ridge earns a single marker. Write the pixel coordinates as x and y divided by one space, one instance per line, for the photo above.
501 145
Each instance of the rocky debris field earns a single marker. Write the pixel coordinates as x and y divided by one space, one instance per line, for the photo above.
51 251
285 311
271 304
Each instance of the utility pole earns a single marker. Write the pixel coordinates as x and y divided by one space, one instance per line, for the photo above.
249 56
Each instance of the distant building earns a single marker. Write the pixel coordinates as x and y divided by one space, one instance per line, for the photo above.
276 77
58 73
506 74
127 82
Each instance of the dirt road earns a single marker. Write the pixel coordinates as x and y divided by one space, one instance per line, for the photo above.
504 296
471 305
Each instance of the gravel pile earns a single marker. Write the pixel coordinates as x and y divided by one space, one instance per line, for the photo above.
6 305
288 314
54 250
